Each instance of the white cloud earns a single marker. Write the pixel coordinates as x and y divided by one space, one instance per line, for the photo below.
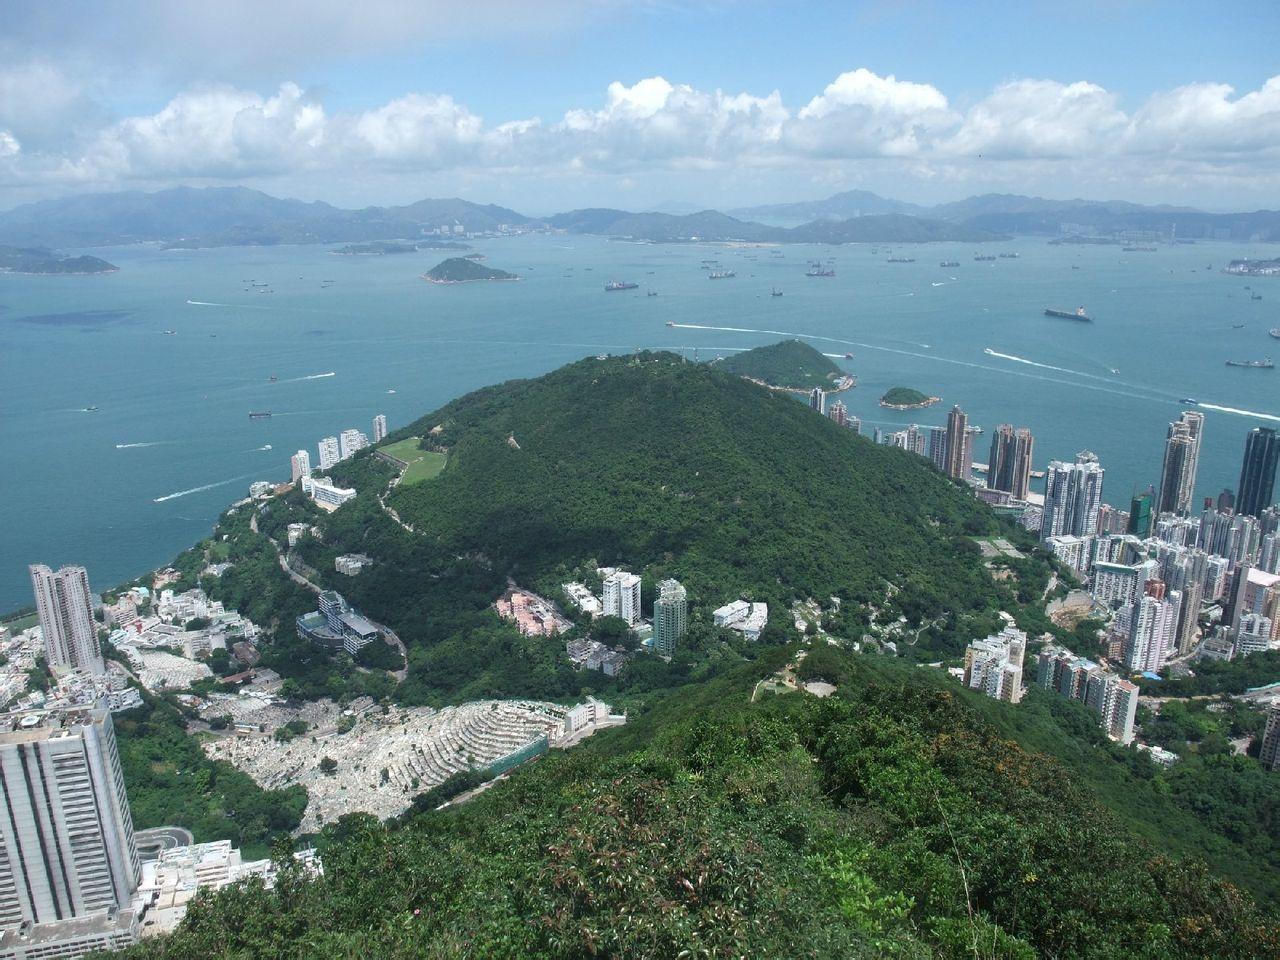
1040 130
861 114
1041 119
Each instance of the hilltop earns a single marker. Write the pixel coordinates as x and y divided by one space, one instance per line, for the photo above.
464 270
789 364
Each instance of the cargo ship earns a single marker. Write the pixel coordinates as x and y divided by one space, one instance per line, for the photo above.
1079 314
1264 364
949 263
901 260
259 414
984 256
721 275
613 285
818 270
1008 256
775 292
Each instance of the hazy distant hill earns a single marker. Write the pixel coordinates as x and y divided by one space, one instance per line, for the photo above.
840 206
225 216
891 228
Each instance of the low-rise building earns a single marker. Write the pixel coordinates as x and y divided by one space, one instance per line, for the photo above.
326 494
749 619
351 564
583 598
594 655
532 615
337 625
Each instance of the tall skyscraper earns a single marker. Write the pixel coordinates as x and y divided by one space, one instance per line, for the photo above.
959 444
818 400
66 835
1072 496
839 413
937 450
351 442
1140 513
622 596
670 617
1258 471
65 608
379 428
328 452
1009 468
1181 460
300 465
1153 625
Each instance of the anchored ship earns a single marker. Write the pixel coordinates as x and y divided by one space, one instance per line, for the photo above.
259 414
949 263
720 275
613 285
816 269
1079 314
1264 364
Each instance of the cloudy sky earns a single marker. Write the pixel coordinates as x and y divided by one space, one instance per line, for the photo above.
564 103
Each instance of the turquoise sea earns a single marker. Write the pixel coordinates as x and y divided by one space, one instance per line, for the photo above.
124 488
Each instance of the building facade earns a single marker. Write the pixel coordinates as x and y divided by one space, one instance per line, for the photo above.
328 448
994 665
1181 461
1257 486
670 617
379 428
299 466
1073 494
1009 467
65 608
622 596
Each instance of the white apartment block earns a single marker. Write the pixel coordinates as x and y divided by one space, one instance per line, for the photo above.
350 442
299 466
622 596
326 495
328 452
379 428
994 665
65 608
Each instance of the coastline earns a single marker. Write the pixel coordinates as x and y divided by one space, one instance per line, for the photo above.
475 280
846 382
928 402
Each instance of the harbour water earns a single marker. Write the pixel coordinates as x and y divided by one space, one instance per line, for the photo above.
123 488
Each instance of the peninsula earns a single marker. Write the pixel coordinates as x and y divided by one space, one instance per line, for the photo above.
906 398
464 270
381 248
788 365
38 261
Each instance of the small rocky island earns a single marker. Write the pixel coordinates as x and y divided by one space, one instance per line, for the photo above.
38 261
462 270
906 398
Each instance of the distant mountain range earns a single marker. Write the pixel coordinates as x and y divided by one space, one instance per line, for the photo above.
227 216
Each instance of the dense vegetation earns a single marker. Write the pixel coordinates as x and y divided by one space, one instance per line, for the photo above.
790 363
465 270
904 397
889 820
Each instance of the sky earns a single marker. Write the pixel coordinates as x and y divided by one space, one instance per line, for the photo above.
646 104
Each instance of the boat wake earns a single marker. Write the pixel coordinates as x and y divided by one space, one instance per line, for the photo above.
134 446
1243 413
314 376
206 303
207 486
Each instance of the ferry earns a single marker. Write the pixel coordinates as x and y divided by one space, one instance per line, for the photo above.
259 414
1079 314
614 285
1264 364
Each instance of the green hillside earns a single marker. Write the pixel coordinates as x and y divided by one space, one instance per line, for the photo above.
464 270
790 363
888 821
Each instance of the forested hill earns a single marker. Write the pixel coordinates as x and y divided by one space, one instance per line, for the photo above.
721 483
888 821
791 364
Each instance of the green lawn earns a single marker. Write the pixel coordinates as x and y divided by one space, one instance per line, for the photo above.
423 464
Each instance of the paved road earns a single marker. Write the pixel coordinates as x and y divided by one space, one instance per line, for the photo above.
151 842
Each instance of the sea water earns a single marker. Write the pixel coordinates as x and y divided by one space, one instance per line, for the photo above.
123 488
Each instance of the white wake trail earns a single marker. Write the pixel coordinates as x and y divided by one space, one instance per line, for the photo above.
207 486
314 376
1243 413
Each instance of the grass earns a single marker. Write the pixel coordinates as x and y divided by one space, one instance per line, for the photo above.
18 624
423 464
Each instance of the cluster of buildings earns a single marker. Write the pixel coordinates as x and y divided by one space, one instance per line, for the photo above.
71 877
620 597
1113 698
336 625
333 450
532 615
747 618
993 665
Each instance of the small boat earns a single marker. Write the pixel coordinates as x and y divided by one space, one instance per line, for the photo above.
775 292
901 260
272 378
671 323
1191 400
91 409
1237 326
949 263
1275 332
1255 296
1263 364
392 390
652 293
170 333
721 275
848 356
259 414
